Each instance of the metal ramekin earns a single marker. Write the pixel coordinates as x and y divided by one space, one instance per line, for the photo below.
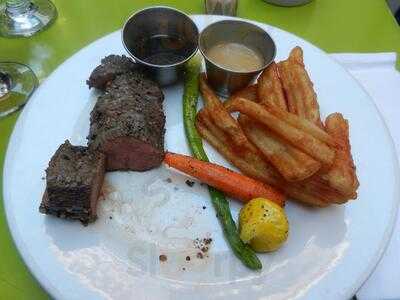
160 20
223 80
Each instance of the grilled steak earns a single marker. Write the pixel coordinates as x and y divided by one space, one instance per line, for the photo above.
127 123
111 66
74 179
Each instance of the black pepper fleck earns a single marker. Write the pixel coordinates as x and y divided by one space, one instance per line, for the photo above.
202 244
189 183
187 258
204 207
162 257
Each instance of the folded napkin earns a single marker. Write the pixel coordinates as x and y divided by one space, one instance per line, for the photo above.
379 77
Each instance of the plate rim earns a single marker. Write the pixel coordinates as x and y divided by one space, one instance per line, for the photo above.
54 292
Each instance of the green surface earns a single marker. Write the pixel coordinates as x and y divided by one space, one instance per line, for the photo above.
333 25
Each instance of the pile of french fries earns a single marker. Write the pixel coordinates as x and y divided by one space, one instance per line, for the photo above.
279 138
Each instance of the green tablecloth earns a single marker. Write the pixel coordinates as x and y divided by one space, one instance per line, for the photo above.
333 25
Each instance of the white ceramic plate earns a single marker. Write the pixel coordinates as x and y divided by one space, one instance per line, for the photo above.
328 255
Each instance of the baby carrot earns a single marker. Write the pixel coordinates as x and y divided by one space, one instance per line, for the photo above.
234 184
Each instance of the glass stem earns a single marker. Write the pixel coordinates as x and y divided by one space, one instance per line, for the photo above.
17 7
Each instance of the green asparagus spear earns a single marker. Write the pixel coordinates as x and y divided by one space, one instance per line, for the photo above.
221 205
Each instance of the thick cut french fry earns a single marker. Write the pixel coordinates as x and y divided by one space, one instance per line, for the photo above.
298 138
232 137
253 165
250 162
292 164
223 132
293 94
303 124
342 176
317 190
249 93
301 97
222 119
209 97
270 90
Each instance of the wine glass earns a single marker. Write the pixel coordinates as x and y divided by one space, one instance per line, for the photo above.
17 83
25 17
221 7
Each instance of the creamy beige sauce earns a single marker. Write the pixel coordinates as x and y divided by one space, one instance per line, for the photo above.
236 57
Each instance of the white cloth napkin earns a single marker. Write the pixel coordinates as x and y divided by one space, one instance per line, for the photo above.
377 74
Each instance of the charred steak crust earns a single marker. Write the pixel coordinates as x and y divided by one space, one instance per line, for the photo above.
128 123
127 127
111 66
73 182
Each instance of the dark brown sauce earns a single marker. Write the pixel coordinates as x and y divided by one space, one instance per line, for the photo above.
163 50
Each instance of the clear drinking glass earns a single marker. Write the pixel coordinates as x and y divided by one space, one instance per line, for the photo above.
25 17
17 83
221 7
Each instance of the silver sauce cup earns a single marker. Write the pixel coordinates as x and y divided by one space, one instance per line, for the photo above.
223 80
161 39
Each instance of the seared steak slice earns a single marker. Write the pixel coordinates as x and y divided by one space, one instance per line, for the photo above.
127 124
135 84
111 66
74 179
